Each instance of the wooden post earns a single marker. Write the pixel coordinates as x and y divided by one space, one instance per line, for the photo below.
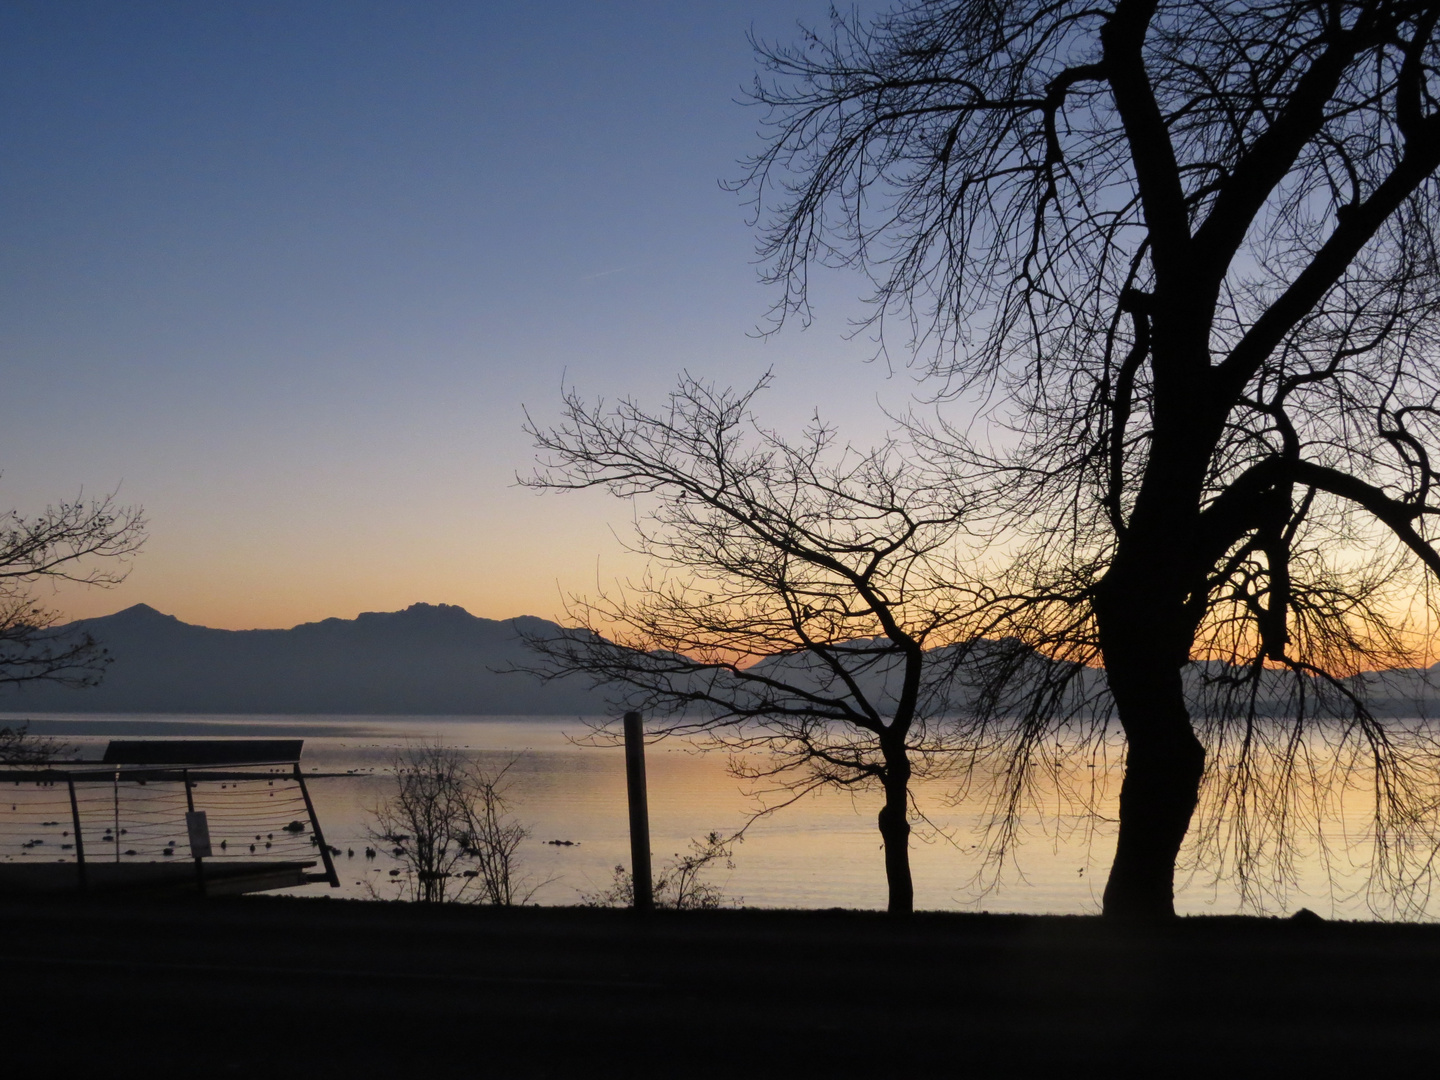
315 828
79 840
639 812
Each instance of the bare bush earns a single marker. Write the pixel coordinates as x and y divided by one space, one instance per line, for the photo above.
681 884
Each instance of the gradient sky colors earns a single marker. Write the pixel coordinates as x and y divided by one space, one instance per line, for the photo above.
285 273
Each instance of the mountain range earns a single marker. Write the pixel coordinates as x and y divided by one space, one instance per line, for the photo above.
429 659
437 659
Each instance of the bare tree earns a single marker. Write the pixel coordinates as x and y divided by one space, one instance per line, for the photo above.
19 747
1186 250
493 839
88 543
446 815
426 819
795 591
61 544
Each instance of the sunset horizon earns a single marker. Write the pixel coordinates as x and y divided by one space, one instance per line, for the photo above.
755 538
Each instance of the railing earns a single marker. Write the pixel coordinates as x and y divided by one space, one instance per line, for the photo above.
87 814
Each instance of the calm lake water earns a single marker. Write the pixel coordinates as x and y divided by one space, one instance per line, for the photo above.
822 852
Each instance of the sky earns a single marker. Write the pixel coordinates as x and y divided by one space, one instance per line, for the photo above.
288 274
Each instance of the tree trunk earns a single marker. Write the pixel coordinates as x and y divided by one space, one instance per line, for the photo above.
1163 766
1146 612
895 832
1144 652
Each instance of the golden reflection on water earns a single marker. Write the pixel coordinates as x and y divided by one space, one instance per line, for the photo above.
824 851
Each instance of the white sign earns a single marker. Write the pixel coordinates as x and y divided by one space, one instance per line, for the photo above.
199 830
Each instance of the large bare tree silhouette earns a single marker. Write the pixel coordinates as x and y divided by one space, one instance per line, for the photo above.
1188 249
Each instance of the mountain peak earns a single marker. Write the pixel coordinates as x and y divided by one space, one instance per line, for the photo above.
441 613
139 612
451 610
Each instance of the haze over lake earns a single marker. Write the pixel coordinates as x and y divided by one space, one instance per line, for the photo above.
821 852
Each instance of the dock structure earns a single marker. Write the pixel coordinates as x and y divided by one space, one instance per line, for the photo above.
240 807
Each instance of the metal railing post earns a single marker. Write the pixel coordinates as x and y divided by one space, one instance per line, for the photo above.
79 840
315 827
190 806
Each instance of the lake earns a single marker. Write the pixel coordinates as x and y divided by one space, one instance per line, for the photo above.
822 852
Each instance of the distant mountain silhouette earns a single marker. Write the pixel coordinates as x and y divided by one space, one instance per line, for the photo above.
1400 692
438 659
427 660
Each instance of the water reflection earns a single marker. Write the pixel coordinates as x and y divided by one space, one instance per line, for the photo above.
822 852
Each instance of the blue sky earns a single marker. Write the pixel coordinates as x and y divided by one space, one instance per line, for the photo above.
285 274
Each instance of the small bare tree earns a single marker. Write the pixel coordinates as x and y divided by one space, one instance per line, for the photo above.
446 816
427 818
798 588
493 839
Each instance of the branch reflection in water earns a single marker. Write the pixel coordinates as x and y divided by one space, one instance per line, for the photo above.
821 852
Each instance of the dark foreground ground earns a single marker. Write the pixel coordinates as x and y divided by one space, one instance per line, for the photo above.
278 988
